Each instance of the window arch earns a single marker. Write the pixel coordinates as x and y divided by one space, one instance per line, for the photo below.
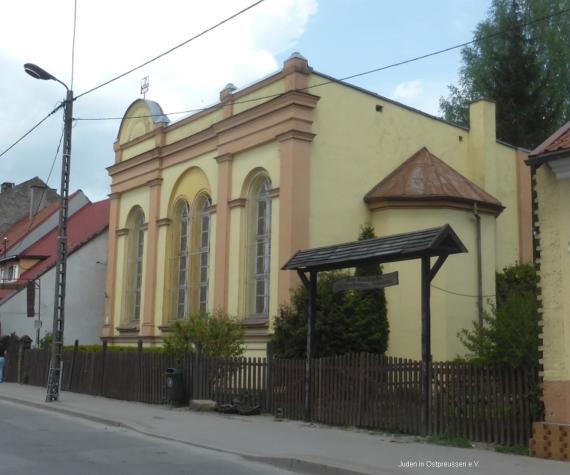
190 255
259 248
135 253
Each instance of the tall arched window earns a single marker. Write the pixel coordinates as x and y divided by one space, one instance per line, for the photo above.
179 259
135 252
200 253
189 261
259 249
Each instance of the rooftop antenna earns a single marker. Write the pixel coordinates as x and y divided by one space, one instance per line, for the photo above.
144 86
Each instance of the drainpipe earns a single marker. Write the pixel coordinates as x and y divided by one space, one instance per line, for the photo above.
479 263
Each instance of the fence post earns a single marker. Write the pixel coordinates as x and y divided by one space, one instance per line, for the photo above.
20 361
103 357
72 369
139 362
269 377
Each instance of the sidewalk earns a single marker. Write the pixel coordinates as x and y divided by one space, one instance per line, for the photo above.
305 448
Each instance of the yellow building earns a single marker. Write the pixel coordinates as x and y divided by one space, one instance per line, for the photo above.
205 211
550 163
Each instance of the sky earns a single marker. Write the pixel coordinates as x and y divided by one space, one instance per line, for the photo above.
338 37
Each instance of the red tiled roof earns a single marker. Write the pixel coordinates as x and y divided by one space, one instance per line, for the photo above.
25 225
82 226
557 142
424 178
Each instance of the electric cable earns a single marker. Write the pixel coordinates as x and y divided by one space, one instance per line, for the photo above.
34 212
460 294
73 43
346 78
31 130
170 50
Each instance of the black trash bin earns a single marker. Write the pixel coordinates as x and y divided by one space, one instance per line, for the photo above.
174 387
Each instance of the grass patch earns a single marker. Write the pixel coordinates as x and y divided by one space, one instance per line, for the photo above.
515 449
450 441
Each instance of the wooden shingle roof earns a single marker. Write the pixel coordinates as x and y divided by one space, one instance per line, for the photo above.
397 247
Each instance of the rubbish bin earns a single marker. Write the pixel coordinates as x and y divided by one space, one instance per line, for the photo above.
174 386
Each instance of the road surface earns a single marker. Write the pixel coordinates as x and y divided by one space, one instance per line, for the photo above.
40 442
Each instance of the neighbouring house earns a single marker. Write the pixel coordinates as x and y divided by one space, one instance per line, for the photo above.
24 199
550 165
205 211
31 259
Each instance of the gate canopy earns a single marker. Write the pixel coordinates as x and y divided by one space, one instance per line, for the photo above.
431 242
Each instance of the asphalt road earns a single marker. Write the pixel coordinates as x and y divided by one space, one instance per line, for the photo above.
33 441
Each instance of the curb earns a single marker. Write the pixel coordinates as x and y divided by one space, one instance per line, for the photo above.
292 464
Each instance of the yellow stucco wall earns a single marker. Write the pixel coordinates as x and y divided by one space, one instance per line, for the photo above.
355 146
130 199
554 219
266 93
196 124
244 166
449 312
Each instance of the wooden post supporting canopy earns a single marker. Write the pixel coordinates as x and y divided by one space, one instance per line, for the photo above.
311 286
427 276
424 244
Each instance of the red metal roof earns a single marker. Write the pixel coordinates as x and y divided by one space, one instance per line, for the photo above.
424 178
82 226
25 225
557 142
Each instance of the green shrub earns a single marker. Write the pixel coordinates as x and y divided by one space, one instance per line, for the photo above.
346 322
215 334
510 332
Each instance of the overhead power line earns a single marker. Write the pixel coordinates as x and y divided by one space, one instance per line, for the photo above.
126 72
31 130
460 294
352 76
235 15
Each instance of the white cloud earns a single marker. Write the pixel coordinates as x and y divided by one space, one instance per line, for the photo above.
113 36
420 94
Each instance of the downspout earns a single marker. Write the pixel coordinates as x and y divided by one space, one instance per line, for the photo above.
479 263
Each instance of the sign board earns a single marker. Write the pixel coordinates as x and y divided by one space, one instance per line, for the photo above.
37 324
366 283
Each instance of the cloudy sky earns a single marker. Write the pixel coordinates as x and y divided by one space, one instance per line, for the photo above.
338 37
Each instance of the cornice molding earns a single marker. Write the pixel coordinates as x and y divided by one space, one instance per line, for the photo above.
237 203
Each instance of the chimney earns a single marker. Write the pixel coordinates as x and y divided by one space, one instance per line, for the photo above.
482 145
37 199
6 186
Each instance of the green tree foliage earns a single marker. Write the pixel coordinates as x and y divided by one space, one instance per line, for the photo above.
216 334
525 70
346 322
510 332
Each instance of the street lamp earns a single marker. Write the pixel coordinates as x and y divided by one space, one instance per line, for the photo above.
56 362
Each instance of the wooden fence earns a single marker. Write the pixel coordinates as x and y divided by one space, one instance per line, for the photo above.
480 403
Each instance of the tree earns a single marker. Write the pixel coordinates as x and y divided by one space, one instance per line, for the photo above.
216 334
346 322
525 70
510 333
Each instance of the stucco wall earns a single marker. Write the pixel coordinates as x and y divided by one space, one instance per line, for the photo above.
554 219
450 313
354 147
85 298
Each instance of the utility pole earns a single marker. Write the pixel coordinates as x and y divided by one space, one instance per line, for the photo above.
56 361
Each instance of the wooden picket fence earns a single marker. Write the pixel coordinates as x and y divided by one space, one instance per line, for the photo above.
479 403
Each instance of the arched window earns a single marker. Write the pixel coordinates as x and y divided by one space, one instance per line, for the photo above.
189 262
259 249
201 253
179 260
135 250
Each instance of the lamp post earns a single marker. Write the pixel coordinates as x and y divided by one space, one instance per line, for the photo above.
56 363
